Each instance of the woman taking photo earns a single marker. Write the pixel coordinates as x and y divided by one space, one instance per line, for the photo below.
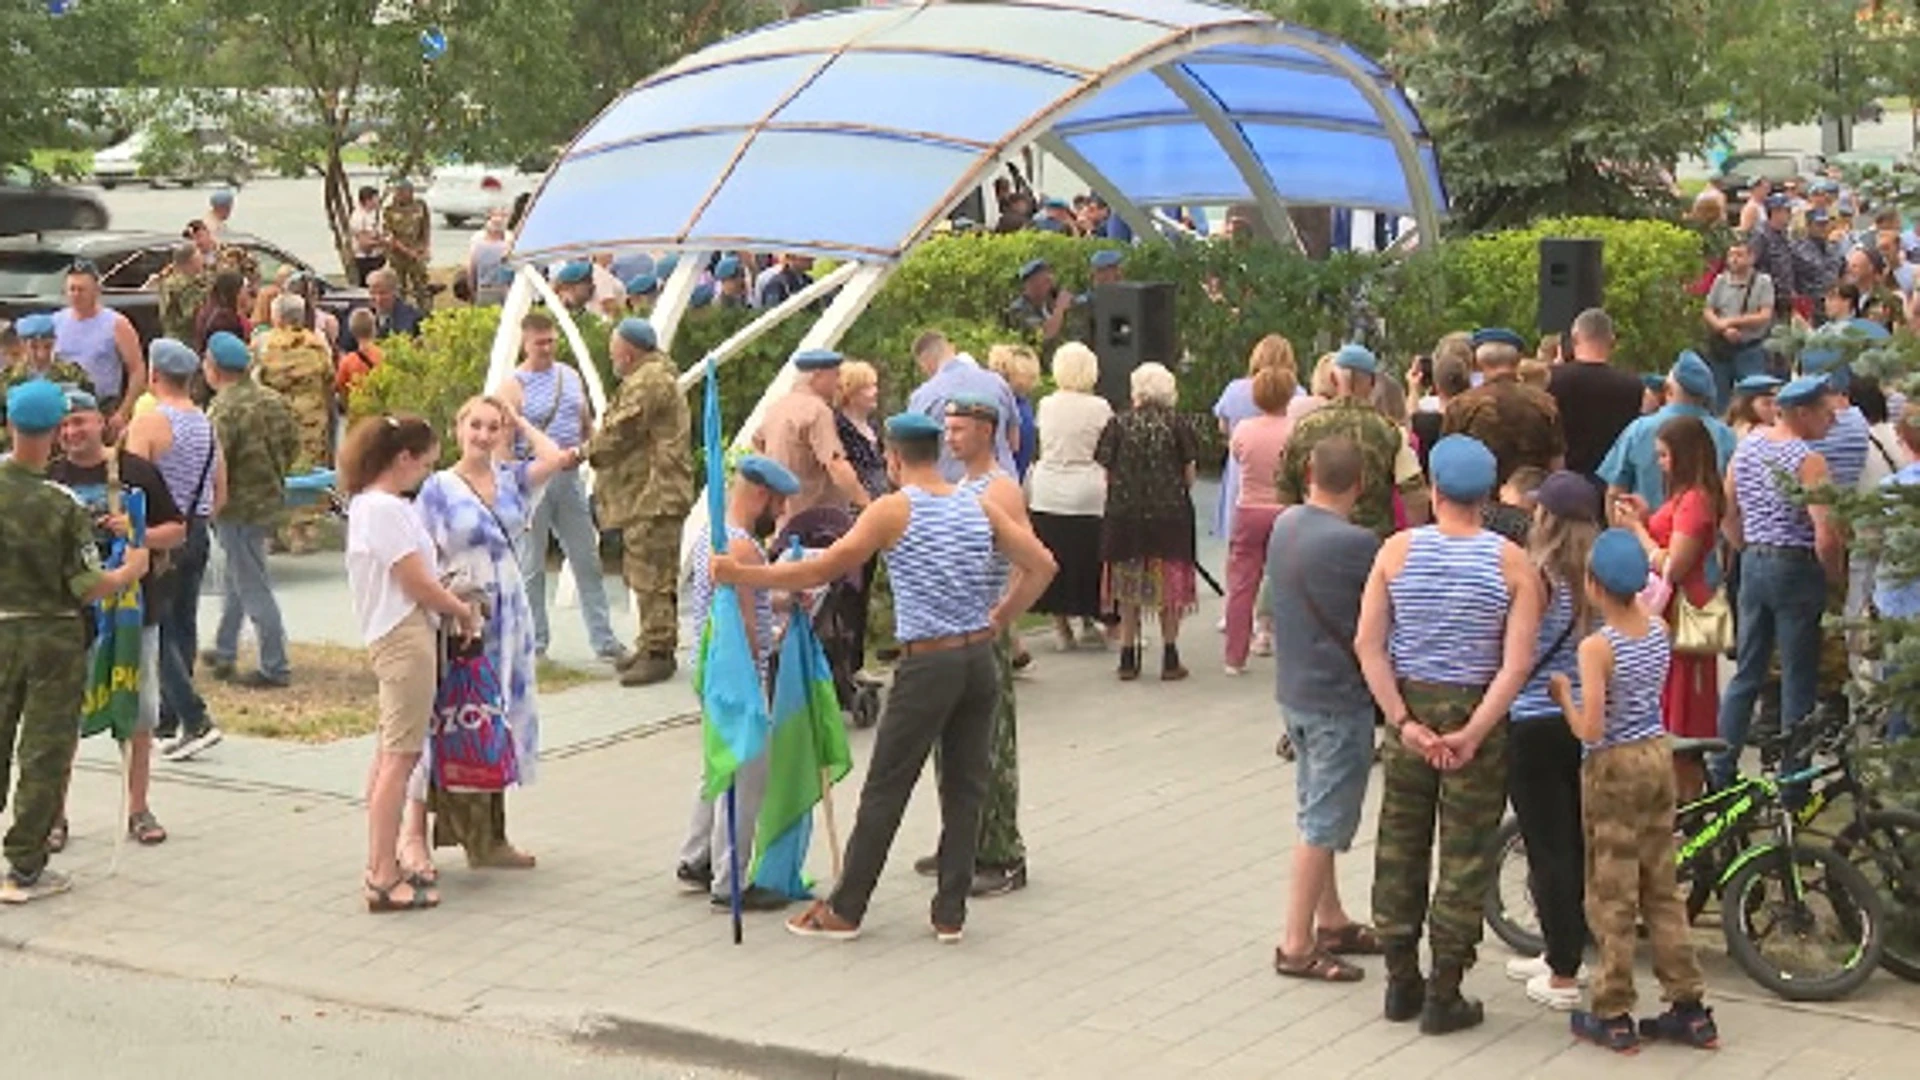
1256 449
1146 536
1067 493
475 512
393 576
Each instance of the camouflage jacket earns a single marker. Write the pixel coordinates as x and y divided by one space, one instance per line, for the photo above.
48 561
180 298
259 441
1381 445
298 365
1519 423
642 450
410 225
61 372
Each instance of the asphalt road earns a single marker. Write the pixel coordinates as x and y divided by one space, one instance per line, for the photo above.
76 1022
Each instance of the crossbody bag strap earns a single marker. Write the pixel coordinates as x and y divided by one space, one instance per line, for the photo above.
498 523
1540 662
206 469
1320 617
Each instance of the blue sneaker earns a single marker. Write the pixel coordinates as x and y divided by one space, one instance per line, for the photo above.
1616 1033
1686 1022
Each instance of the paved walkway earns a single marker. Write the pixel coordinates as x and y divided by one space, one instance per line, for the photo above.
1158 821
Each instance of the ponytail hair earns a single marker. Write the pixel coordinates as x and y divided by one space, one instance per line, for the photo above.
375 443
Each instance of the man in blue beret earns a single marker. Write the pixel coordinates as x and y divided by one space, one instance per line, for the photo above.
1819 258
1772 244
1040 310
1060 214
756 498
573 284
730 277
642 291
1847 442
49 572
799 432
701 296
1632 467
37 361
642 455
939 543
1519 423
1390 462
950 374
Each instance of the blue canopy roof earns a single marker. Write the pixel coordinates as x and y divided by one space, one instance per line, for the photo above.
853 132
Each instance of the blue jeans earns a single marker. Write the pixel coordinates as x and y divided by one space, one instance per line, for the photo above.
180 704
564 512
1783 594
250 596
1747 360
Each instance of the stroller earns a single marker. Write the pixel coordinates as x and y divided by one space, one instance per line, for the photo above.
841 618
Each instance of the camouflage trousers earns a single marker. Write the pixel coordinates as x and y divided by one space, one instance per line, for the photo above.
650 565
1000 843
1627 799
43 677
1466 805
413 282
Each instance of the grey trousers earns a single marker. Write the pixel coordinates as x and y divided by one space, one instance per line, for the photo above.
943 699
707 835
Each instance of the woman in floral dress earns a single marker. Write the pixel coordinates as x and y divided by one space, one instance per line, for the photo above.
1146 534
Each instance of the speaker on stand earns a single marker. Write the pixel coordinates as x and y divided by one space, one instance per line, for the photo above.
1572 279
1133 324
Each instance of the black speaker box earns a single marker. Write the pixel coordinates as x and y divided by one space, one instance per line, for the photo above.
1133 324
1571 279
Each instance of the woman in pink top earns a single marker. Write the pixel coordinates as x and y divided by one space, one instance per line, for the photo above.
1257 445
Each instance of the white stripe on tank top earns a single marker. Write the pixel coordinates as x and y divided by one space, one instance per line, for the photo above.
1633 693
1450 605
941 567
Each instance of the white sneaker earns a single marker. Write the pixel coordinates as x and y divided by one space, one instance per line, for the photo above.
187 747
1528 968
1262 643
1221 626
1540 989
1231 670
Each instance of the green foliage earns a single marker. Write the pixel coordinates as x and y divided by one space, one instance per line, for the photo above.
431 376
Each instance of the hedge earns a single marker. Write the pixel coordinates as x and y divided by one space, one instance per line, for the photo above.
961 284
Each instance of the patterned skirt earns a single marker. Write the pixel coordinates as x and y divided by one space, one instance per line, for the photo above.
1149 584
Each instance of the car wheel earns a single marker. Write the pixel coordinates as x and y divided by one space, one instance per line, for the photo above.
109 185
456 221
89 219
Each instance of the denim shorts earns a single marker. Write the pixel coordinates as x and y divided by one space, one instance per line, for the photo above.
147 716
1334 756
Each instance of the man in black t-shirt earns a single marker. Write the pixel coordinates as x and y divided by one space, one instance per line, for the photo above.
85 470
1597 401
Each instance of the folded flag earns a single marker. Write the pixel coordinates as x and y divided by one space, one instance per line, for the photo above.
809 735
112 701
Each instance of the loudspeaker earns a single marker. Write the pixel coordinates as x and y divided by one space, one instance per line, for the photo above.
1571 278
1133 324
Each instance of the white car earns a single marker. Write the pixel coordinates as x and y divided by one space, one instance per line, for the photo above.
206 154
464 195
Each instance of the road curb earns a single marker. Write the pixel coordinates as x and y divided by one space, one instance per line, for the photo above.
613 1031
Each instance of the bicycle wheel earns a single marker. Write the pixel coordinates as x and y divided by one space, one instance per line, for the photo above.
1885 846
1817 947
1509 907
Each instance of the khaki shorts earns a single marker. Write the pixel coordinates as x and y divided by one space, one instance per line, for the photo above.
406 661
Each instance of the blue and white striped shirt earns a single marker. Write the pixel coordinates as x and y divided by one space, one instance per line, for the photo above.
1845 447
1534 701
1762 467
1450 608
1633 691
189 460
941 568
700 594
561 420
1002 569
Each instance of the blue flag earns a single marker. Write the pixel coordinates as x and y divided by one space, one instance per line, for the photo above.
809 740
733 706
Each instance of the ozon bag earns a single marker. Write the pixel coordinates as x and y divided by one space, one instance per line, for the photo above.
471 743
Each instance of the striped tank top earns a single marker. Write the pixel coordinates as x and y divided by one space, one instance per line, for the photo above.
186 462
89 343
1534 702
1845 447
942 567
555 400
700 593
1449 608
1762 467
1002 569
1633 693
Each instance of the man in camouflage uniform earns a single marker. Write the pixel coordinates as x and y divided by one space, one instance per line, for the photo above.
259 440
1519 423
409 237
1388 463
183 288
49 572
38 362
1040 310
297 363
643 461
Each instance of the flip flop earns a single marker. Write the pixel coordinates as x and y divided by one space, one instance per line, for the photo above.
1318 966
383 903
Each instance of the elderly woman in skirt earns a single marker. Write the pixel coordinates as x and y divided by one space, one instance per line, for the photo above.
1067 493
1146 537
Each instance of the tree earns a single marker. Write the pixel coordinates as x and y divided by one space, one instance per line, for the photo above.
1360 23
1549 107
55 60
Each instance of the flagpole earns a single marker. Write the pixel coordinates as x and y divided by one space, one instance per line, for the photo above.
733 864
833 829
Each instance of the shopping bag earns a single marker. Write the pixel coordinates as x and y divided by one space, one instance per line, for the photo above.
472 744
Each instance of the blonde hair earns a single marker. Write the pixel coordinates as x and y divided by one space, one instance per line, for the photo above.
1153 384
1076 367
1457 344
1324 383
1271 351
1015 363
855 376
1559 546
477 401
1273 388
1534 373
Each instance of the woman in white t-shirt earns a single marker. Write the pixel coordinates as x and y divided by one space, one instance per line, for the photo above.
1067 494
393 575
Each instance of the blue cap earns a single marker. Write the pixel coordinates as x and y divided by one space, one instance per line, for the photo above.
1805 390
913 425
222 198
1498 335
1032 267
816 359
1778 202
664 266
1463 469
1817 216
35 407
638 333
34 327
768 473
79 400
1618 562
229 353
1758 384
1693 375
728 267
170 357
642 285
1106 259
702 295
974 407
1355 357
1568 494
573 273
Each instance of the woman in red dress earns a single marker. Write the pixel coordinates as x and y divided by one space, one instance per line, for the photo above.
1680 539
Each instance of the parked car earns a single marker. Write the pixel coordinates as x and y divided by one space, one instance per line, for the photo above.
1740 170
464 195
33 271
31 201
203 154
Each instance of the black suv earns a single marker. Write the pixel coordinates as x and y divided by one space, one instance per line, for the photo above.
33 272
31 200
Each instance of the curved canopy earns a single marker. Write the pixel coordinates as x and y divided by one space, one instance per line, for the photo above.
852 133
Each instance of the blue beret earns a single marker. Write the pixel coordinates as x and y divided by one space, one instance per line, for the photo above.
633 264
1758 384
642 285
1463 469
79 400
1032 267
1498 335
638 333
768 473
229 352
1618 563
1805 390
35 407
664 267
171 357
974 407
1359 358
913 425
573 273
1778 202
702 295
1693 375
1868 329
1825 187
1106 259
728 267
223 198
817 359
1817 216
1655 383
1047 224
34 327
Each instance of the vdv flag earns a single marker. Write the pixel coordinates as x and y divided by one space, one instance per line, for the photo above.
733 706
112 701
809 735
